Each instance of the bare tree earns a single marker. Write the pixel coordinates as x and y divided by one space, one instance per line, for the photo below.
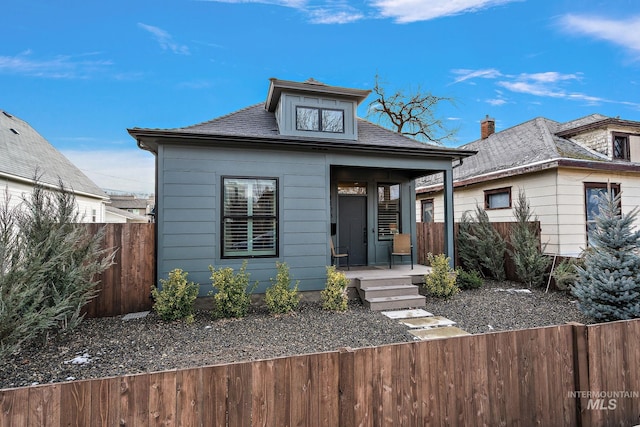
412 114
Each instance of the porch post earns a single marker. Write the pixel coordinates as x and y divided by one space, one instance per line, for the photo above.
448 216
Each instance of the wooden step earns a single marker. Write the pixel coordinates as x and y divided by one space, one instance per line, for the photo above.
395 302
388 291
384 281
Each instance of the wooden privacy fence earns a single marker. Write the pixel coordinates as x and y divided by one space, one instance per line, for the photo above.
430 237
125 287
569 375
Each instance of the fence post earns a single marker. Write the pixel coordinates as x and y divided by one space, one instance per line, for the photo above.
346 401
581 370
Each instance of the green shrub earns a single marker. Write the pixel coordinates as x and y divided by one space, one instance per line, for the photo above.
175 300
334 295
527 254
280 297
441 282
231 294
468 279
565 274
49 265
480 246
608 287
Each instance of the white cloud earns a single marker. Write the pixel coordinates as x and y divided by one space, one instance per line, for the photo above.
58 67
540 84
496 102
464 74
335 16
405 11
165 40
622 32
130 170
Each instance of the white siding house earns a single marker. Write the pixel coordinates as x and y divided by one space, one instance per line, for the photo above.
24 153
558 165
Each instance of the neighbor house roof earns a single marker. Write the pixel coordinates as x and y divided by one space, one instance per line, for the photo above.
25 153
128 202
533 145
256 124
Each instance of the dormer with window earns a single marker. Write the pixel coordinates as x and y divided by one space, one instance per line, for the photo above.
315 110
617 139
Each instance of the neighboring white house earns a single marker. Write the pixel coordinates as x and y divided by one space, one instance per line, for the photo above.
117 215
562 167
25 153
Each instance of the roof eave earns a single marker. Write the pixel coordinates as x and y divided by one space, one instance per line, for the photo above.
276 87
598 124
150 138
526 169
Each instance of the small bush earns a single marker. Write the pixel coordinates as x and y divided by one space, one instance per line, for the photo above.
231 294
441 282
175 300
280 297
468 279
565 274
334 296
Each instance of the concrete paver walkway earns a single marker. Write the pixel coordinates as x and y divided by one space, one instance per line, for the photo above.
424 325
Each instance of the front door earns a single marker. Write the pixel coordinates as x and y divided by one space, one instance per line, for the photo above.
352 227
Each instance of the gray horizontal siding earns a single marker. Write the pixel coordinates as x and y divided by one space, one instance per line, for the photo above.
189 232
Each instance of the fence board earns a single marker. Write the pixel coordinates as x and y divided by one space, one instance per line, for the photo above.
125 287
506 378
430 239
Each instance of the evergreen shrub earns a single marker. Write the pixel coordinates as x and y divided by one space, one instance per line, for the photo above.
231 292
334 296
468 279
49 264
608 287
527 255
176 298
441 282
280 297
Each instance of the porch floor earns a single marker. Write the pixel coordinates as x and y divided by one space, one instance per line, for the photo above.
384 272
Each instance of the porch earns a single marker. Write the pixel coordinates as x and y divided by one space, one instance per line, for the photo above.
384 288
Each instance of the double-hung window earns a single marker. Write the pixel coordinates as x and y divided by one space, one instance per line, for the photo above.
592 193
319 119
250 217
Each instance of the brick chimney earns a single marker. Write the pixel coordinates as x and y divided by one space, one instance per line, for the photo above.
487 127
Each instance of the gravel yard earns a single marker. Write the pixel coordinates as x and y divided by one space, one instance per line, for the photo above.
111 346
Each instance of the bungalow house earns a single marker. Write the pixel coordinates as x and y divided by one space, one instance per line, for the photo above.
277 180
24 152
562 167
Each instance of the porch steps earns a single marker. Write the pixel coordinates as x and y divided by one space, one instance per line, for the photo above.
389 293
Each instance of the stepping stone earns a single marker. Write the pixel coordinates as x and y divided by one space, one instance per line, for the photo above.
435 333
428 322
138 315
407 314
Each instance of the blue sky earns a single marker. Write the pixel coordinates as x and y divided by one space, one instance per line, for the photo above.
82 72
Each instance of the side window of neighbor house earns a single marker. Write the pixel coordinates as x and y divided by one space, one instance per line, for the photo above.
499 198
427 210
250 217
319 119
592 192
388 210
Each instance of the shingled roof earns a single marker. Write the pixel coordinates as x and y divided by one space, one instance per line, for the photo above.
531 143
23 151
255 122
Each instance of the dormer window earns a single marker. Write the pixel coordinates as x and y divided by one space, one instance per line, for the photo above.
319 119
621 149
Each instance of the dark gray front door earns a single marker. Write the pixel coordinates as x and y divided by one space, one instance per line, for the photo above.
352 227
